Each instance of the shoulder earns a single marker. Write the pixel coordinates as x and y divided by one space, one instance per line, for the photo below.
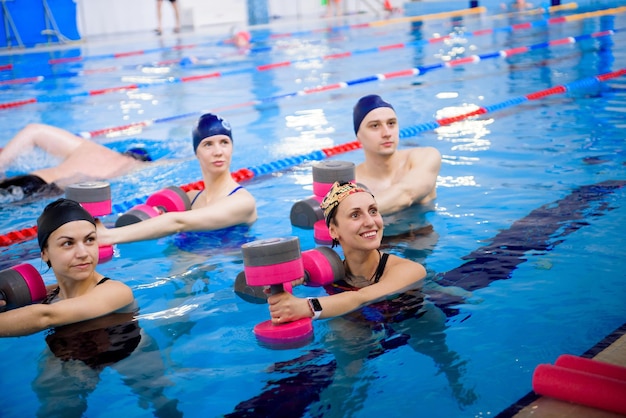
405 267
423 153
115 287
427 158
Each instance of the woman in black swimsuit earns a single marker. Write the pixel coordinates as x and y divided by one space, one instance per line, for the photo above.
67 237
354 222
220 204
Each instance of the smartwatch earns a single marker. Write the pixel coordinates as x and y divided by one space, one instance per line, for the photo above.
316 307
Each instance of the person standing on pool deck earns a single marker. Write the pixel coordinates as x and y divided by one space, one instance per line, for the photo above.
66 233
221 204
82 160
159 29
398 178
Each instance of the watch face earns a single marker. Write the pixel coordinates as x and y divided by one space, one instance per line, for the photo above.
317 307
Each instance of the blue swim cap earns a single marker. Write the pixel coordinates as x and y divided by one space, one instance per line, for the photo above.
364 106
138 153
209 125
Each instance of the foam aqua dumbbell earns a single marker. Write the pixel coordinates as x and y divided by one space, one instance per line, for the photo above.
95 197
307 212
322 266
21 285
274 262
170 199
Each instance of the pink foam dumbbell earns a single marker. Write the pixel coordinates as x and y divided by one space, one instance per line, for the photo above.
274 262
21 285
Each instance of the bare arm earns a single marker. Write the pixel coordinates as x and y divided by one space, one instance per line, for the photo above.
399 277
238 208
418 185
103 299
53 140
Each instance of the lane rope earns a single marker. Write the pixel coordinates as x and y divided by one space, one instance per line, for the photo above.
246 174
411 72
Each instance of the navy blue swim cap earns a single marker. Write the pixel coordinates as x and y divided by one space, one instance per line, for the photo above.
209 125
138 153
364 106
57 214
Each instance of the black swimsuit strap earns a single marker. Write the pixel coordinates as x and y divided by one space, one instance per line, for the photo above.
53 295
104 279
381 267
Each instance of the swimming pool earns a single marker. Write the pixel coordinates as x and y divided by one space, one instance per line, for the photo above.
531 190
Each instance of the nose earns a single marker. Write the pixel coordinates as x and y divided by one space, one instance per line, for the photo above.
81 250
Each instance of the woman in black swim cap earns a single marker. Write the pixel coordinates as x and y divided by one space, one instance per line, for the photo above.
67 238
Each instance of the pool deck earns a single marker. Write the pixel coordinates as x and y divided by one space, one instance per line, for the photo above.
611 350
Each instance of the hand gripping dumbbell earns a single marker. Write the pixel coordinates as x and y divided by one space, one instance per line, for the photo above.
274 262
322 266
170 199
307 212
95 197
21 285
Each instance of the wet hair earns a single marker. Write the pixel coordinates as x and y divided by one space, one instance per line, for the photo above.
138 153
364 106
57 214
209 125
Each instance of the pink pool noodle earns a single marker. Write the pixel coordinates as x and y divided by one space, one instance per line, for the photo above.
587 365
580 387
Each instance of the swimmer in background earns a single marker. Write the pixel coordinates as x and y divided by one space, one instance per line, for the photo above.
398 178
221 204
239 39
81 160
517 6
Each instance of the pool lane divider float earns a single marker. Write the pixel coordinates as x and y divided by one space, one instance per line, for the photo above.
410 72
253 50
583 381
245 174
40 78
434 16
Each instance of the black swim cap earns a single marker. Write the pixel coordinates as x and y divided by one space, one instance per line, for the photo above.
209 125
364 106
138 153
57 214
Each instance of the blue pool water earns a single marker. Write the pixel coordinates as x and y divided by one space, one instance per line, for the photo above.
526 258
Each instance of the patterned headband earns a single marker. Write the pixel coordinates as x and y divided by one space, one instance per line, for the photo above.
335 195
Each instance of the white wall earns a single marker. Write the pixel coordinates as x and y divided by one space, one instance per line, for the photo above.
105 17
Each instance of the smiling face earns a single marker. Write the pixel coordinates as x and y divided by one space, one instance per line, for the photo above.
72 251
379 132
357 224
215 153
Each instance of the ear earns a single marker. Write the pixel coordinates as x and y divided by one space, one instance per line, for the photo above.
332 231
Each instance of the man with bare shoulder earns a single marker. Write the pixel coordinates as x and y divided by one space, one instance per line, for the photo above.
398 178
